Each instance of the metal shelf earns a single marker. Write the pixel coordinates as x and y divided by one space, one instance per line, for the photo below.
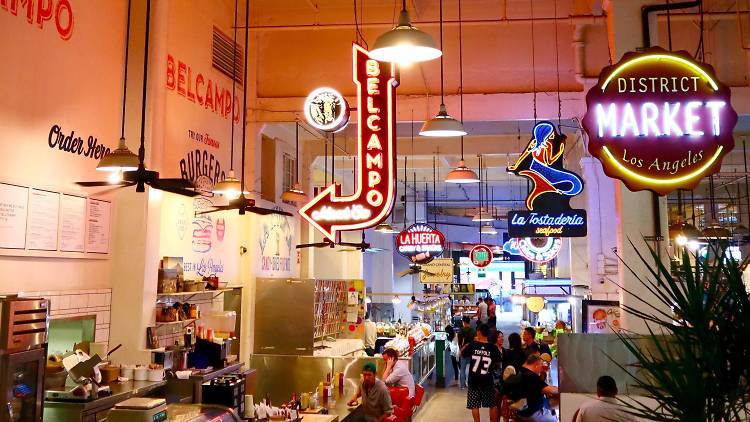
188 321
191 294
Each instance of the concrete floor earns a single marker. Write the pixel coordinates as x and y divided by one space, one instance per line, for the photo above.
448 404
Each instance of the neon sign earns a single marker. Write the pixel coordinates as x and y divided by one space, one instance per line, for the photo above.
539 249
420 243
552 187
329 212
481 256
659 120
327 110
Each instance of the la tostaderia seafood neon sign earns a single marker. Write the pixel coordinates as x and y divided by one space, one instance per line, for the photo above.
659 120
329 212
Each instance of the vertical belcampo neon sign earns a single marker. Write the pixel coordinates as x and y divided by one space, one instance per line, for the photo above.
329 212
659 120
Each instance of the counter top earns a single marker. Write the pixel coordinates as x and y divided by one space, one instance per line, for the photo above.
120 391
218 372
320 418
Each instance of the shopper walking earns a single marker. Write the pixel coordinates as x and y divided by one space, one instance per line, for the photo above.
465 338
492 313
514 355
371 335
528 335
482 315
484 358
453 350
534 390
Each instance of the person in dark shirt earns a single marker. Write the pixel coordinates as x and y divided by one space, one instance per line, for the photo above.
483 359
514 355
533 390
465 338
529 334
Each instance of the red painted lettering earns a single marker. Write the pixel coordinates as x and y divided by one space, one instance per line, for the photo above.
198 82
43 13
65 31
170 72
181 78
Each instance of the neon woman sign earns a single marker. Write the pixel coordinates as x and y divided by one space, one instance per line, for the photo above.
372 200
660 121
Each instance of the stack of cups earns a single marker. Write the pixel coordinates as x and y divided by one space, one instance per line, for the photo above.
249 407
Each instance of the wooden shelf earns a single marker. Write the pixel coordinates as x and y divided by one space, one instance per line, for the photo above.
159 324
198 292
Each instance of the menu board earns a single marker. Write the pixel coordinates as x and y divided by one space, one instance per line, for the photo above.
600 316
13 211
97 226
41 227
72 230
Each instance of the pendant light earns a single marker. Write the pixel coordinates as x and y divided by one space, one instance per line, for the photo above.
442 125
488 229
714 229
230 187
295 194
121 159
461 174
405 44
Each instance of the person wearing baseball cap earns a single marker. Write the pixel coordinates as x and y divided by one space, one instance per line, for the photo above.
376 399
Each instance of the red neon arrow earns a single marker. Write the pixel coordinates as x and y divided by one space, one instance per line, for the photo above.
375 186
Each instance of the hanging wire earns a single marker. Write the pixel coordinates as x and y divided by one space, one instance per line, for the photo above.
244 97
234 78
434 190
442 95
333 158
533 57
480 198
460 72
325 163
669 27
125 80
557 66
699 51
359 37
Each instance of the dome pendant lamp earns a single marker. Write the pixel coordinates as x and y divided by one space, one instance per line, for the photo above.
405 44
442 125
461 174
121 159
295 194
230 187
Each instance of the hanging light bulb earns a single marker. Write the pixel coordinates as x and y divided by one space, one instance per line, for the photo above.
119 160
295 194
716 231
488 229
483 215
230 187
442 125
396 300
385 228
114 177
405 44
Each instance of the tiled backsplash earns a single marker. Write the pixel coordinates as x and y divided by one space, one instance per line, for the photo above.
73 303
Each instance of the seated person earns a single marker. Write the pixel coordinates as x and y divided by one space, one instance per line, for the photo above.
396 373
376 399
606 407
533 390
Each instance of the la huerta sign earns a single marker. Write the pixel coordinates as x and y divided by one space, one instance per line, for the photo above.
549 213
659 120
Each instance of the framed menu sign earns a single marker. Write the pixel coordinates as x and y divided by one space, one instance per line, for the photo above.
97 226
41 227
600 316
72 228
13 211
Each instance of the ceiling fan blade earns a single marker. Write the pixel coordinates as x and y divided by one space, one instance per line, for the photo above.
217 208
315 245
347 250
376 250
176 183
102 184
176 190
266 211
362 245
404 273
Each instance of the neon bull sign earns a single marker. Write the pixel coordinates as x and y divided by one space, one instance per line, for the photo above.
329 212
660 121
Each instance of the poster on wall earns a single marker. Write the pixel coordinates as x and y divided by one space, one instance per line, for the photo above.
552 186
600 316
13 214
72 230
97 226
41 227
659 120
276 246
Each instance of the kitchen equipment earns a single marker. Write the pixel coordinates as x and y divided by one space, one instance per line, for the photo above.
164 358
23 355
140 373
226 390
221 322
139 409
109 373
155 374
98 349
208 353
126 371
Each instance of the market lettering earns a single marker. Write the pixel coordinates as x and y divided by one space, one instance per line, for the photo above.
200 90
652 119
42 11
658 84
201 163
73 144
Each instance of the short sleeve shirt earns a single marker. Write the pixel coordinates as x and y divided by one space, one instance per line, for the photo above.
532 386
376 401
484 357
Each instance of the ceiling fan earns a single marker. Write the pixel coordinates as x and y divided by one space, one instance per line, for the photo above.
140 176
362 246
414 269
243 203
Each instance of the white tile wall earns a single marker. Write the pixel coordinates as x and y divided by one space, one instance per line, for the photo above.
70 303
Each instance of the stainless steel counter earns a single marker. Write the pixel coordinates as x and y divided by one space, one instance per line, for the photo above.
63 411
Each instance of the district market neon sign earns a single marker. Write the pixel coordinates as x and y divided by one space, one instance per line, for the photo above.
329 212
659 120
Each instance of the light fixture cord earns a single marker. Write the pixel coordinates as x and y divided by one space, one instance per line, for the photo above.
557 67
480 199
533 58
333 158
460 73
296 151
234 77
142 148
244 92
125 80
442 95
434 190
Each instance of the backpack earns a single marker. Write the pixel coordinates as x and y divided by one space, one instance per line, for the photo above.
513 387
